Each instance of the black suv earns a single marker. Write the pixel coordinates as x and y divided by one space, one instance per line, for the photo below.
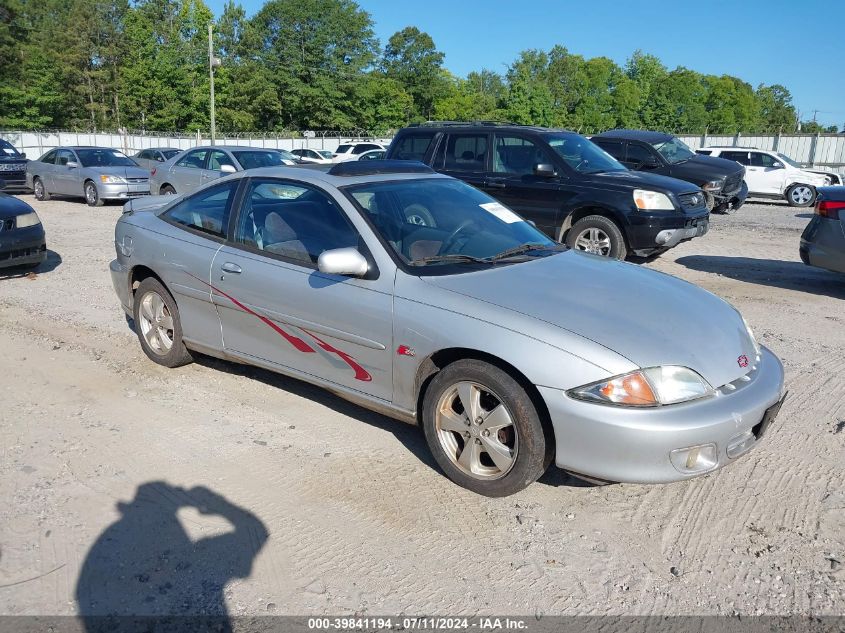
12 166
563 183
723 181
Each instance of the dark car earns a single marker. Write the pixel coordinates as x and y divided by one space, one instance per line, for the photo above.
823 241
563 183
12 166
723 181
22 240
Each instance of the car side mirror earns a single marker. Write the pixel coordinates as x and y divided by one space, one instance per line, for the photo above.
777 165
343 261
227 169
545 170
71 164
23 154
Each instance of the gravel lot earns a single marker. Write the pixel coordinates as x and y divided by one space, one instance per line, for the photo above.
332 509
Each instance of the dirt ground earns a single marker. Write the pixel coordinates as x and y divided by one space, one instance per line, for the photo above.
219 488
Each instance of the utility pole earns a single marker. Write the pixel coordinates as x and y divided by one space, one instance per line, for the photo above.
213 62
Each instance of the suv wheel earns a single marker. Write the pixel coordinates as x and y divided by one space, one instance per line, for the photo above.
483 429
598 235
800 195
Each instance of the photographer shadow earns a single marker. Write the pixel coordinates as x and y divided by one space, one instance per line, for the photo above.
146 569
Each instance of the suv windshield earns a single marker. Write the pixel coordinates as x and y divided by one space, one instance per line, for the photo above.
789 161
582 155
7 149
104 158
674 151
262 158
439 220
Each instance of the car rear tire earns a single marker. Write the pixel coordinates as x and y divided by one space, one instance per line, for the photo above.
496 446
40 190
167 190
92 196
799 195
598 235
158 326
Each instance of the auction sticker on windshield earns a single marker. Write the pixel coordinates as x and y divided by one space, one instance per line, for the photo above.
501 212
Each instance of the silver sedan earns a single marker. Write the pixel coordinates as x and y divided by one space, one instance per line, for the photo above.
423 298
154 156
192 168
93 173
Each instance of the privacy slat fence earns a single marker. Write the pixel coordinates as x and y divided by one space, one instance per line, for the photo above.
817 150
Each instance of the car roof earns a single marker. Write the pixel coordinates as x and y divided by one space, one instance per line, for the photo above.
739 149
352 173
636 135
235 148
443 125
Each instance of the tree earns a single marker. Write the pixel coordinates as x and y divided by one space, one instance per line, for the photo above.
776 109
412 59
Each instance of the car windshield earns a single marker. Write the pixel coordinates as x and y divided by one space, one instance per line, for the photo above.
789 161
170 153
434 221
262 158
674 150
582 155
101 157
7 149
342 149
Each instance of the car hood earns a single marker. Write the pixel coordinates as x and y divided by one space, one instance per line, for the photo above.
700 169
648 317
11 206
639 179
123 172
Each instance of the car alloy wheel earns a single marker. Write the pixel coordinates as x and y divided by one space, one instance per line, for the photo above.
38 188
593 240
156 323
91 195
476 431
801 195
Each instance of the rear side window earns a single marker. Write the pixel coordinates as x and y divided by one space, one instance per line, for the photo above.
413 146
206 212
466 152
740 157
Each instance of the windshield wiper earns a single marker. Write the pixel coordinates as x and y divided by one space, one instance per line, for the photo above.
450 257
522 248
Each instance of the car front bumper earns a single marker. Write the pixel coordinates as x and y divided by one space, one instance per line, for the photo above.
649 233
120 281
123 191
636 445
14 180
22 247
823 244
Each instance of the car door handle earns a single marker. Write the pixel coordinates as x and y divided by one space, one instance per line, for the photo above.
229 267
496 184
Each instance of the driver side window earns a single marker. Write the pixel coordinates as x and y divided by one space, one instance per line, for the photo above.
638 156
517 156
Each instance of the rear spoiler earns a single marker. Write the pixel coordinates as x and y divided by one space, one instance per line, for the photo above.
148 203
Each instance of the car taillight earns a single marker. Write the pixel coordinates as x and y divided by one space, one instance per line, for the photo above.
153 172
830 208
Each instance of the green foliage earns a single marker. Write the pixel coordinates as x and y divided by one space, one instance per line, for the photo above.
316 64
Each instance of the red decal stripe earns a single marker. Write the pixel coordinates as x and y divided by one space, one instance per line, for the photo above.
360 373
297 342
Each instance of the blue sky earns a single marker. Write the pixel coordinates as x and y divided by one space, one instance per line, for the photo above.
797 44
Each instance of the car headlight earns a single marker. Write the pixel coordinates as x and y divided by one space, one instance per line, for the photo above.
27 219
112 180
652 387
713 185
652 200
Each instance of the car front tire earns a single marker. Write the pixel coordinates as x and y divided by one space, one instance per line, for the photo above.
483 429
40 190
167 190
158 326
92 196
598 235
799 195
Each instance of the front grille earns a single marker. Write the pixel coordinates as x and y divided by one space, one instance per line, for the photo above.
136 181
14 167
21 252
7 225
692 200
733 182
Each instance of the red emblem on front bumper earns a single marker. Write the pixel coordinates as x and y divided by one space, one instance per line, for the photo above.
742 361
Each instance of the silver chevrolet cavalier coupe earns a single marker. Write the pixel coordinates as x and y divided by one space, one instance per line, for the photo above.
416 295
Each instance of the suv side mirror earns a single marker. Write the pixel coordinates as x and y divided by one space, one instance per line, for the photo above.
23 154
545 170
343 261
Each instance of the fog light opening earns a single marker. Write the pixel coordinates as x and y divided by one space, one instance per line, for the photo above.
695 459
741 443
